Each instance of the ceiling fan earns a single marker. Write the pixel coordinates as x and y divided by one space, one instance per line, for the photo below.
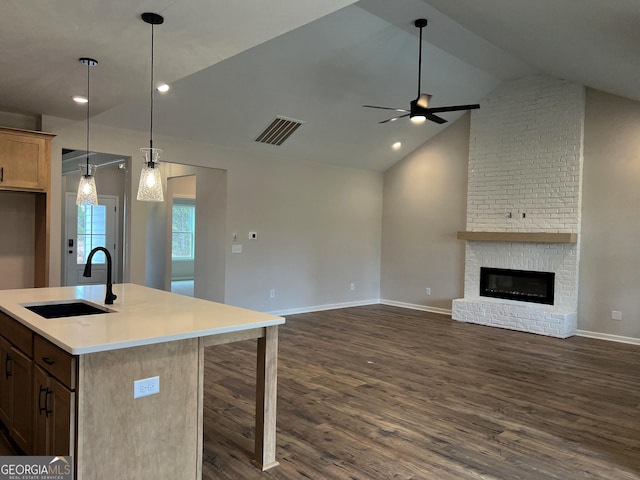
420 111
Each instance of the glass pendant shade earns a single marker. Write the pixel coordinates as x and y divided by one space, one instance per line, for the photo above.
87 192
150 186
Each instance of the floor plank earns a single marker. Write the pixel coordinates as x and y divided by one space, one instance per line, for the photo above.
381 392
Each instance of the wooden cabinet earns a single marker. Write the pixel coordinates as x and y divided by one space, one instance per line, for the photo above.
37 391
25 166
24 160
54 415
54 408
16 347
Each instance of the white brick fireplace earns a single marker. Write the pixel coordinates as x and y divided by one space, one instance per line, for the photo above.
525 175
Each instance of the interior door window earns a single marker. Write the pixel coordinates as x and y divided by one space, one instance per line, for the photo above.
92 229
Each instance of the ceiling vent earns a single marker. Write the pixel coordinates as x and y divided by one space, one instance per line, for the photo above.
278 131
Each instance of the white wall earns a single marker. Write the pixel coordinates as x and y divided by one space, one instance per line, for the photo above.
319 226
610 262
424 207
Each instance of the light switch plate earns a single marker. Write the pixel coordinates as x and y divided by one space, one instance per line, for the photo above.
236 248
146 387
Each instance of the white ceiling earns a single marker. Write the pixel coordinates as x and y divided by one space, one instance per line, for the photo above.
233 66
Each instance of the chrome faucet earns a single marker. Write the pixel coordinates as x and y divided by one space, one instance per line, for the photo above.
108 300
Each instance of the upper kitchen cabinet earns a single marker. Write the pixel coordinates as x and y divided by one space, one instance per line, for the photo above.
25 158
25 178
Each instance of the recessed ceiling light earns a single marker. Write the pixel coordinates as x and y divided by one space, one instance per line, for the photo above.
80 99
397 146
163 88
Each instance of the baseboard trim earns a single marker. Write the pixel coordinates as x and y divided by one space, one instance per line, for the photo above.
413 306
320 308
608 336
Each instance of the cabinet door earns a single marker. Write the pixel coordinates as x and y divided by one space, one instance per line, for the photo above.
40 411
6 388
22 428
61 420
54 415
22 162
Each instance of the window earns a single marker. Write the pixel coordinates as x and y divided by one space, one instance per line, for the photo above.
92 232
183 229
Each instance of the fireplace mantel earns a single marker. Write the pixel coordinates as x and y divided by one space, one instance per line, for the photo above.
530 237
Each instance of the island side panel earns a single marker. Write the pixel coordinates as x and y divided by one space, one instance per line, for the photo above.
146 438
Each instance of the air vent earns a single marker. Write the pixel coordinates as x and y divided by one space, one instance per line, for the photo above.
278 131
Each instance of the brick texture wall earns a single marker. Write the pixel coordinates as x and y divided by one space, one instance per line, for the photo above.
525 175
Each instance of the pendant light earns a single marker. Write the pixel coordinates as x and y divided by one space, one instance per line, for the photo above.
150 186
87 193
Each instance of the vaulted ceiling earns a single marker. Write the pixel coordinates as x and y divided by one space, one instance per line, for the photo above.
234 66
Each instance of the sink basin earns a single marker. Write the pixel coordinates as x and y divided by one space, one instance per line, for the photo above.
68 309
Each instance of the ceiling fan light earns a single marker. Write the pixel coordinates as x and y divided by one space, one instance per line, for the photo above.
418 119
423 100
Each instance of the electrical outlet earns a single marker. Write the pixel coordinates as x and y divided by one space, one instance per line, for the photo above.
428 291
616 315
353 287
146 387
253 235
272 293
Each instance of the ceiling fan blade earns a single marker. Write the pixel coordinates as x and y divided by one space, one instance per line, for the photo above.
393 119
435 118
386 108
453 108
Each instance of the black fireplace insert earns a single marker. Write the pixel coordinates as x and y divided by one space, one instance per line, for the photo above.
523 285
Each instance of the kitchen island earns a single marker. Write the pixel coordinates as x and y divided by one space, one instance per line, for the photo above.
147 333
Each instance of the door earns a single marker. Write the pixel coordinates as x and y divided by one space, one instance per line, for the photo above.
88 227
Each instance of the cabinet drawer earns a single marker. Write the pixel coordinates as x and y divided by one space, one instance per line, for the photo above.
56 361
19 335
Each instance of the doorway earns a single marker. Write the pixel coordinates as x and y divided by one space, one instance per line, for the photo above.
182 237
87 227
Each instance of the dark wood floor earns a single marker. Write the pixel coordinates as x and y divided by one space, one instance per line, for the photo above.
380 392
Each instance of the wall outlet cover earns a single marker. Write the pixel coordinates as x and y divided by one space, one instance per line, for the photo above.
146 387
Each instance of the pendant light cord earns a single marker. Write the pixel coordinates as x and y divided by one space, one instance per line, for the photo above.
151 122
420 64
88 103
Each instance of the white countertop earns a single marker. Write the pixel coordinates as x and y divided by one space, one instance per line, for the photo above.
139 316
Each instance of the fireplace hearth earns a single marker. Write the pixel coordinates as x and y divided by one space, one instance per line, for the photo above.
522 285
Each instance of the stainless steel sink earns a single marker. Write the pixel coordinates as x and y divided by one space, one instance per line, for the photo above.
66 309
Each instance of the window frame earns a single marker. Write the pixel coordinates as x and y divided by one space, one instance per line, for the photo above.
189 203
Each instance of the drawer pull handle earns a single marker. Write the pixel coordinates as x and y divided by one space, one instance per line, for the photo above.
48 361
1 174
7 359
42 409
47 394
